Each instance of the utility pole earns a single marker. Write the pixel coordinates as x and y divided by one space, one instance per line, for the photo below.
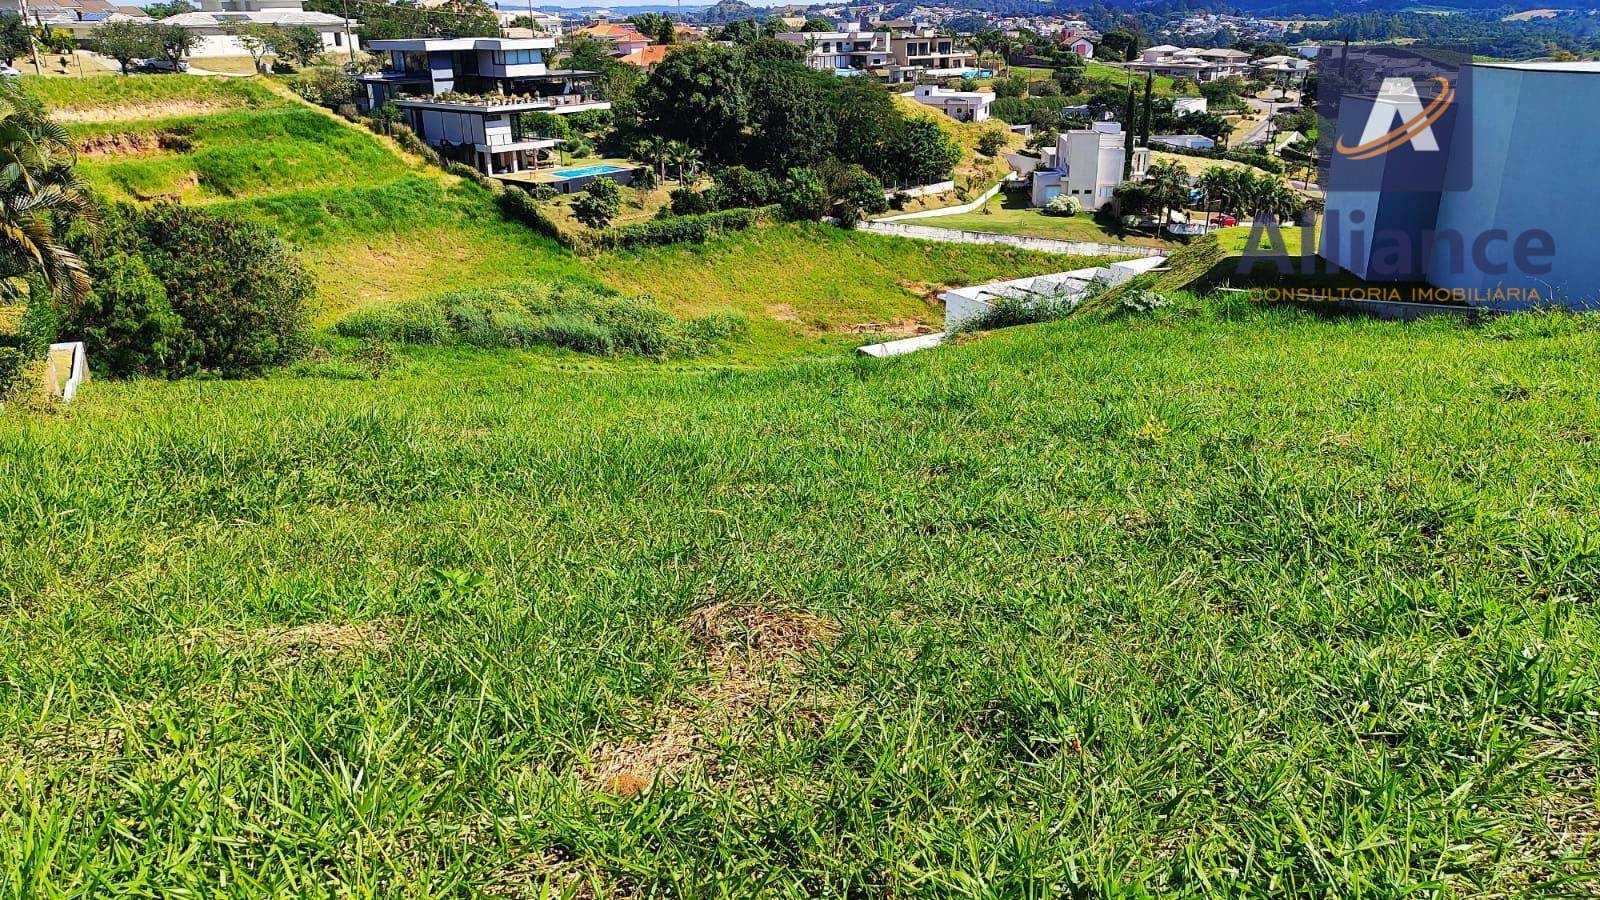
33 46
1149 85
349 42
1127 141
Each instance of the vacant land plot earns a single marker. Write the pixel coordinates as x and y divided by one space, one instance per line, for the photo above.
1224 601
1009 213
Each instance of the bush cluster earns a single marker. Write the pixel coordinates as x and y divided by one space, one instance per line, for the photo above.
695 229
180 289
525 314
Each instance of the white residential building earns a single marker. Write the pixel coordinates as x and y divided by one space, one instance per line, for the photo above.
963 106
1086 165
1183 106
843 52
543 22
213 23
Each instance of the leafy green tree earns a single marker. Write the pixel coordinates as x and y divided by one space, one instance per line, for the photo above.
257 39
804 196
923 153
865 119
599 203
173 42
1168 184
991 142
1010 86
126 42
300 45
13 37
737 186
817 24
855 192
700 96
792 125
168 8
1120 44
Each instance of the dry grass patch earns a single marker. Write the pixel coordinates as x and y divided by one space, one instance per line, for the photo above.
327 639
552 873
752 657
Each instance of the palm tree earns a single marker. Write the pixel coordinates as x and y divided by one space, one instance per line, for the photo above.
685 158
654 149
1169 187
38 186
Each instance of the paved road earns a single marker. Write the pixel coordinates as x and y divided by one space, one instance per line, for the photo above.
1271 108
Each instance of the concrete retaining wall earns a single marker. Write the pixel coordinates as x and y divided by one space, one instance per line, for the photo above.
983 198
1046 245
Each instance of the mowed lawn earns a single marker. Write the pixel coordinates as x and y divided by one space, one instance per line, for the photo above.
1009 213
1224 601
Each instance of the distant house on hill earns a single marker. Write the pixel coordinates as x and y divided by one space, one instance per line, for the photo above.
214 21
623 38
963 106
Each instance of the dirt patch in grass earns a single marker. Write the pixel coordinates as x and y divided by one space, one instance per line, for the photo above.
752 657
895 328
132 142
167 109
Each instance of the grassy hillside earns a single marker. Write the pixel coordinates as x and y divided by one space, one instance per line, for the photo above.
377 227
1213 603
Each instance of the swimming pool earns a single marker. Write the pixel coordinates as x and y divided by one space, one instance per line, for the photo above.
586 171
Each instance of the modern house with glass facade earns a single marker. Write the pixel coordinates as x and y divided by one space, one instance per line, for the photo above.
472 98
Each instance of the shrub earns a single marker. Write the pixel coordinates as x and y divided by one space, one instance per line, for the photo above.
599 203
574 333
737 186
127 319
679 229
13 360
1063 205
991 142
855 192
238 290
324 86
803 196
525 314
1006 312
686 201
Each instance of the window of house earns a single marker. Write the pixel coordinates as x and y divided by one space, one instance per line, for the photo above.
516 57
338 39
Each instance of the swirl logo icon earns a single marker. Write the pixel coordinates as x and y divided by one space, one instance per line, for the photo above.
1398 99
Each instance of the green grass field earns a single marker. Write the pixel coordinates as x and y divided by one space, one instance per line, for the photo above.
1224 601
1009 213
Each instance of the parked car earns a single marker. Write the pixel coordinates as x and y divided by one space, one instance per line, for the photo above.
165 65
10 72
1224 219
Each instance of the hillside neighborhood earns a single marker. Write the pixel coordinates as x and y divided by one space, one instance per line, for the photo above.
1006 449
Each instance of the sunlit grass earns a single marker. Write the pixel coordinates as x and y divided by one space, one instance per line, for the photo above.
1224 601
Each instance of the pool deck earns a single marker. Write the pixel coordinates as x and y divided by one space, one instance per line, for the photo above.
551 175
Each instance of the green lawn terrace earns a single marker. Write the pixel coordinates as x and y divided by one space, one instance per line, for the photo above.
1213 600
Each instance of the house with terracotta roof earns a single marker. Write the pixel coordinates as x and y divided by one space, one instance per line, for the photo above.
647 57
623 37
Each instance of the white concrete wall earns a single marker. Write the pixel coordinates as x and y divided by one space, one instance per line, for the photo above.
1045 245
